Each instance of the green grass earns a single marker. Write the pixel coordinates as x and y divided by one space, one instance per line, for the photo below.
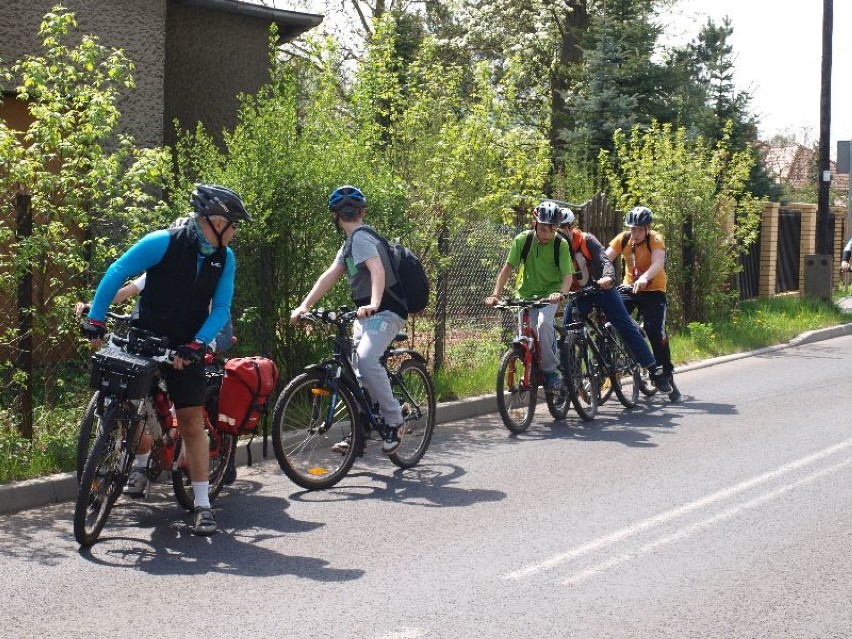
471 370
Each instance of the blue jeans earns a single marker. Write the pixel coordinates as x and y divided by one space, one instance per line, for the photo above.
610 302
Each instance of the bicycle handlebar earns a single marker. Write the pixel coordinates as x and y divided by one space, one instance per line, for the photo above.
339 317
585 291
531 303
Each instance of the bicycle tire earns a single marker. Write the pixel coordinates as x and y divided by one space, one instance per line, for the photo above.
222 448
518 413
625 370
559 402
581 377
303 439
86 436
417 431
104 475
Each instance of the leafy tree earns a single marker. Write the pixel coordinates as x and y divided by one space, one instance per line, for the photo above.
75 173
698 193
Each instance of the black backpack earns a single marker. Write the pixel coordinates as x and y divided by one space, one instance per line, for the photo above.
557 240
409 272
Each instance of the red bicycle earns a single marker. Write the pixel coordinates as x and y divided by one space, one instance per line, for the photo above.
520 374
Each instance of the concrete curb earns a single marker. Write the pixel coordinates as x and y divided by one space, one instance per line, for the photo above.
33 493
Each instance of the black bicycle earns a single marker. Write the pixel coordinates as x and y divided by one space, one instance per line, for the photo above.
324 416
131 399
593 348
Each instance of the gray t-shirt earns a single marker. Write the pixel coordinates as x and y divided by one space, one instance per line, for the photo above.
365 245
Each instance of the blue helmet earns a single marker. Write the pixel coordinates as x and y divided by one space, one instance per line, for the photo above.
639 216
347 201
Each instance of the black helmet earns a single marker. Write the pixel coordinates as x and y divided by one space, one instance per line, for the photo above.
347 201
639 216
548 213
210 200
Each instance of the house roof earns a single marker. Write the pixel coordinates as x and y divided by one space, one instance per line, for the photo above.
292 22
794 164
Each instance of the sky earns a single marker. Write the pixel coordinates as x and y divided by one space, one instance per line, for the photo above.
778 57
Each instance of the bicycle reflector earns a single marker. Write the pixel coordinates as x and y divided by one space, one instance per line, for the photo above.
317 471
324 392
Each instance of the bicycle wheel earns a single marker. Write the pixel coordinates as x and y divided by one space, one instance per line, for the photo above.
515 398
413 389
626 372
559 402
315 442
104 475
86 436
581 377
222 448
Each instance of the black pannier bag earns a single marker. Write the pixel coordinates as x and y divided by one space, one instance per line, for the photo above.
119 373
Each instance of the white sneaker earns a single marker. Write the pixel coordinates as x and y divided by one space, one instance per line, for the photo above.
341 447
137 483
392 439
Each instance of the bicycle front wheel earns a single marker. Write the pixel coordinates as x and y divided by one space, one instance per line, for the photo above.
222 447
646 386
86 436
516 396
627 376
412 387
104 475
581 377
315 431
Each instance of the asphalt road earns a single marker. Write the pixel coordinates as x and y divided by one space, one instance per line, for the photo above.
726 515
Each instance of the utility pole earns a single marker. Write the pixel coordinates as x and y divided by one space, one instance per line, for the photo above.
819 268
823 241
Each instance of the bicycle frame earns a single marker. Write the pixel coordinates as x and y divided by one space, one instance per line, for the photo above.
526 339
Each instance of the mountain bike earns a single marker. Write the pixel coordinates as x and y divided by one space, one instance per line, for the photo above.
613 360
520 374
132 399
324 416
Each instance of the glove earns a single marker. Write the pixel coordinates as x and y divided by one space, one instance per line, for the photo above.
92 329
191 352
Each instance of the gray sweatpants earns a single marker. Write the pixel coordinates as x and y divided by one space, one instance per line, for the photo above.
370 339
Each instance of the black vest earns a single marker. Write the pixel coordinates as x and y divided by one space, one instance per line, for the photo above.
175 302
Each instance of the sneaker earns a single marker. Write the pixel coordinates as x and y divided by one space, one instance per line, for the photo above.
342 446
674 396
660 379
205 522
393 438
137 483
552 381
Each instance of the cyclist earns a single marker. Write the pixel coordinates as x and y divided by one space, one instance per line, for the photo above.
187 298
364 259
847 255
592 264
544 262
644 253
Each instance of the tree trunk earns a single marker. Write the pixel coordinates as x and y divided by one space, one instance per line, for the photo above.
441 300
24 356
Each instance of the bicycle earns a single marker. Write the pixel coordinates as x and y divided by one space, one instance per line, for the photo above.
214 371
324 416
520 374
132 399
613 360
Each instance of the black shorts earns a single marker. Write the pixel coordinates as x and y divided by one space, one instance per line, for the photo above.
186 387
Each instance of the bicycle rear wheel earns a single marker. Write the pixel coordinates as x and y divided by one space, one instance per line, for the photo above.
581 377
314 440
222 448
413 389
646 386
627 376
104 474
515 397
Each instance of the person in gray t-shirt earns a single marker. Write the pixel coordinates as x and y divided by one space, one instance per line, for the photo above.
365 261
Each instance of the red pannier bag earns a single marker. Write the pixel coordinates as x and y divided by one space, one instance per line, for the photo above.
246 387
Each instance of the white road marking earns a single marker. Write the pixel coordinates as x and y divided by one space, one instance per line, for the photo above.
688 531
405 633
667 516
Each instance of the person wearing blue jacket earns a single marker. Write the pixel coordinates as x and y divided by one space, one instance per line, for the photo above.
187 299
